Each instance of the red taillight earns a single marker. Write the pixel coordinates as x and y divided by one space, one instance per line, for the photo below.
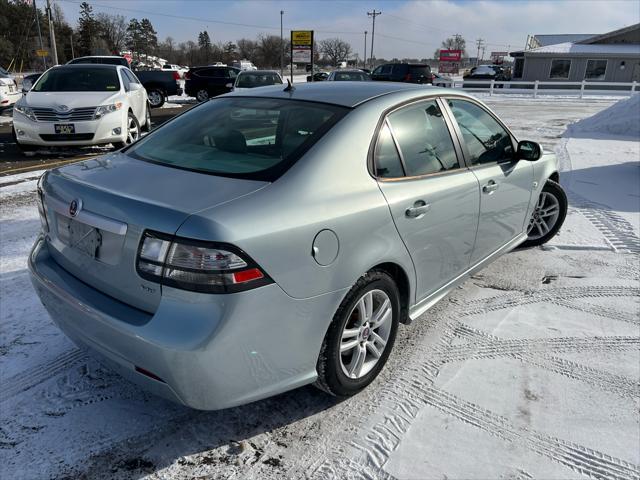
207 267
247 275
176 76
407 77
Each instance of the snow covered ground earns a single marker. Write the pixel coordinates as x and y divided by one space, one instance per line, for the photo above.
529 370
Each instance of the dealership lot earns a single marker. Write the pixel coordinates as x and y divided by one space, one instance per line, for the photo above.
529 370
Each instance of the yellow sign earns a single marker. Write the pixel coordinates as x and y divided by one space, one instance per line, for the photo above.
302 37
42 53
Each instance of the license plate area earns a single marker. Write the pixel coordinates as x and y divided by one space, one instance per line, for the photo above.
64 128
84 238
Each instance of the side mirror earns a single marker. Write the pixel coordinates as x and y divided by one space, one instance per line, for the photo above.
528 150
229 85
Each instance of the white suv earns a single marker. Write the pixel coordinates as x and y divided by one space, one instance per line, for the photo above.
82 104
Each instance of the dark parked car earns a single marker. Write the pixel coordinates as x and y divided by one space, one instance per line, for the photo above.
486 73
206 82
159 85
318 77
403 72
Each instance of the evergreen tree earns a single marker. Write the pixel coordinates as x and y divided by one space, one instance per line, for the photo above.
148 37
134 37
87 29
204 42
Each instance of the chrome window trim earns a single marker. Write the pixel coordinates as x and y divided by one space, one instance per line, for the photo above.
462 166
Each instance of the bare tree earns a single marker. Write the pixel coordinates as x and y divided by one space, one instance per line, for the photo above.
247 49
113 30
457 42
269 48
335 49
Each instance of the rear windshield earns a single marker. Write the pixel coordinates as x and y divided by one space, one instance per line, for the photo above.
351 76
253 138
251 80
78 80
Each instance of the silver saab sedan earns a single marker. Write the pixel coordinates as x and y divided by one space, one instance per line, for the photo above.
270 239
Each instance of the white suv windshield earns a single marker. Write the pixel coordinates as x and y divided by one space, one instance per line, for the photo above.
87 79
255 138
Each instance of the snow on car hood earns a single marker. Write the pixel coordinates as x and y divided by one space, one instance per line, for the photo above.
70 99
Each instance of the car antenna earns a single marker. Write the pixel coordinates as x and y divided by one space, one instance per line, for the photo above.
289 87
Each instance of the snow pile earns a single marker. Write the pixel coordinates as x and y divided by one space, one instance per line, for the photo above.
621 118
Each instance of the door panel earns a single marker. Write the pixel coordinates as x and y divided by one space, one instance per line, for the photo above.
505 183
440 237
435 205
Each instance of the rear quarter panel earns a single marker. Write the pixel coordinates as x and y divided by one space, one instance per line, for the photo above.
329 188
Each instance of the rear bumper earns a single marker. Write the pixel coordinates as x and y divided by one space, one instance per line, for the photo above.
211 351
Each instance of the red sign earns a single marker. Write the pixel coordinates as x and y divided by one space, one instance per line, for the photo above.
450 55
128 57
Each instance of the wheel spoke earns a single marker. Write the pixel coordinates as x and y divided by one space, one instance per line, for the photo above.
350 345
365 307
357 361
549 211
378 339
382 314
350 333
374 351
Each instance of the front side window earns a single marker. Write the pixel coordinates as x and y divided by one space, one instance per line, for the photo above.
595 70
89 79
424 139
560 69
253 138
125 81
387 160
382 70
487 141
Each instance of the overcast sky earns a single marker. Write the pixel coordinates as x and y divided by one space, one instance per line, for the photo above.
405 28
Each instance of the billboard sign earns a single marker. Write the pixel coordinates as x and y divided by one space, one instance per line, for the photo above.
301 46
450 55
498 57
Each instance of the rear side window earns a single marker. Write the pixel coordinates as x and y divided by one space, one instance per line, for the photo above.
487 141
424 139
382 70
418 70
253 138
387 160
212 73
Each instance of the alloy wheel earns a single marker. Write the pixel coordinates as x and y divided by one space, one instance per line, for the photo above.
202 96
365 334
545 215
155 97
133 130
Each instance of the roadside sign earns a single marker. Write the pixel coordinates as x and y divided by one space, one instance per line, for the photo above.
301 46
449 67
128 57
42 53
450 55
498 57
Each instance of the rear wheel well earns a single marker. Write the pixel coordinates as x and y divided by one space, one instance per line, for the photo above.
555 176
402 282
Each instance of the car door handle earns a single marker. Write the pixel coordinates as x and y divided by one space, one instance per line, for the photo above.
418 210
490 187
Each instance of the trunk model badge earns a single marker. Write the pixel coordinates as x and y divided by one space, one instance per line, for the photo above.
75 206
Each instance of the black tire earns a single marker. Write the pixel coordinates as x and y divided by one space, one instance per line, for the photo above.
21 146
156 97
202 95
146 127
130 116
551 188
331 377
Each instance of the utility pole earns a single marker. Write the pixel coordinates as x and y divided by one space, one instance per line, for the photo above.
364 60
35 10
479 44
52 35
71 40
373 14
282 46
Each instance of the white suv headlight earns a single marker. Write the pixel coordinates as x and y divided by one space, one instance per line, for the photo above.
102 110
24 110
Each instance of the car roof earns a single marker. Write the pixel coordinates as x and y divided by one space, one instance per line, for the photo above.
349 70
90 65
259 72
347 94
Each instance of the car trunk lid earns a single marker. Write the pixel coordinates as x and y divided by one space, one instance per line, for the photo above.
98 209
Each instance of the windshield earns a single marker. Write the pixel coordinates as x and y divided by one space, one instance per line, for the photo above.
251 80
351 76
253 138
3 73
90 79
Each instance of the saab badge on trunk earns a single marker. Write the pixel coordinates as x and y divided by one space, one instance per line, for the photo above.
75 206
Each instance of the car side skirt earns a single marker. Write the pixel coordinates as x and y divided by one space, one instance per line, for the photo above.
435 297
